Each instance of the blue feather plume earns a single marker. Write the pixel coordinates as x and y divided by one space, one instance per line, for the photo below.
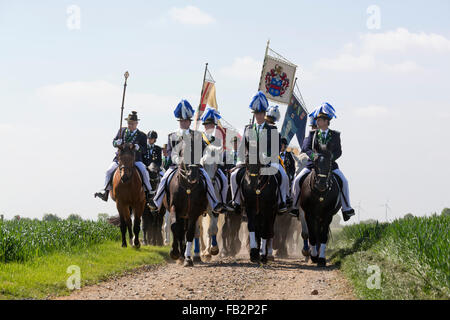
259 102
184 110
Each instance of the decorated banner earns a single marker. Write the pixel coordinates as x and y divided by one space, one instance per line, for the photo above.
208 97
295 121
277 79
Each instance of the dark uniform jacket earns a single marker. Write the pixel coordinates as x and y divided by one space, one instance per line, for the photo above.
139 138
153 155
173 145
263 138
333 144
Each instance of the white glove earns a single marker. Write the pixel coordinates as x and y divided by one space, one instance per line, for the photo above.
136 146
118 142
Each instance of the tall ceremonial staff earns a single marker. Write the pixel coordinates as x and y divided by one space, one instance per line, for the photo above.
126 75
262 71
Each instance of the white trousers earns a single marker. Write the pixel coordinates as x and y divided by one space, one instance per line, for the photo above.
211 194
114 165
345 193
284 188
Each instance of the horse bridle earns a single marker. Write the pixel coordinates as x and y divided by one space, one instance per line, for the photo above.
328 183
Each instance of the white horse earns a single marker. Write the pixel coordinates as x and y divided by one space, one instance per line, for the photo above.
208 220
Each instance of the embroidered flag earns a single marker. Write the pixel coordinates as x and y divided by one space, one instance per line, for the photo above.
277 78
294 121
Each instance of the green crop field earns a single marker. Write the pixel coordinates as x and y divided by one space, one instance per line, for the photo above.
22 240
413 256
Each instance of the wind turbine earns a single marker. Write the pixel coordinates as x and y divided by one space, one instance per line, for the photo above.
386 206
359 209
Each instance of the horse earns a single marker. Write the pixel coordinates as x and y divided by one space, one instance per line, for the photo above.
152 221
231 244
286 226
128 193
186 201
260 195
208 218
319 200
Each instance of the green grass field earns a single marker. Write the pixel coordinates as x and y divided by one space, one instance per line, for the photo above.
412 255
35 256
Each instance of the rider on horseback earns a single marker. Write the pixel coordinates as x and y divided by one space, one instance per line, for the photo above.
129 135
184 112
272 116
332 140
263 131
288 159
214 146
154 152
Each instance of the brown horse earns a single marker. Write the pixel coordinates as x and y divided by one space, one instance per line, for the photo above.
128 193
260 195
186 201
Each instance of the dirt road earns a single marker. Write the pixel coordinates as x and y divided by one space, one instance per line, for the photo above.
225 279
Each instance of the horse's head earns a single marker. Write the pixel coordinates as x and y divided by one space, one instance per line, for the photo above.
190 172
253 173
322 166
126 159
210 165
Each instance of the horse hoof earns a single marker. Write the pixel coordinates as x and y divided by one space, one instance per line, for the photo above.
188 262
197 259
314 259
124 245
305 253
264 259
270 258
206 257
174 254
321 262
254 255
137 245
215 250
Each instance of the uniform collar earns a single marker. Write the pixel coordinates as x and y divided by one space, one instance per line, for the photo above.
132 132
182 132
324 132
260 125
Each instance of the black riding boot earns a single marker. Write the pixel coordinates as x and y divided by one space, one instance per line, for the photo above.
220 208
150 203
348 214
103 196
282 208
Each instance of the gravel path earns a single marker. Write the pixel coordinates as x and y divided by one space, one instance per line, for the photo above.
225 279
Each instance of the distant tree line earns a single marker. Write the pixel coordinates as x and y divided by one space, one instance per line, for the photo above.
54 217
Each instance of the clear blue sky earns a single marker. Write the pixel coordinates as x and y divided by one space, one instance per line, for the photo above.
61 89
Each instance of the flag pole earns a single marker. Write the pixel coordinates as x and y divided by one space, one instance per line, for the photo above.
201 96
262 70
126 75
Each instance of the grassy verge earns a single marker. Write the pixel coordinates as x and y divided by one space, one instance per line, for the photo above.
46 276
411 254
